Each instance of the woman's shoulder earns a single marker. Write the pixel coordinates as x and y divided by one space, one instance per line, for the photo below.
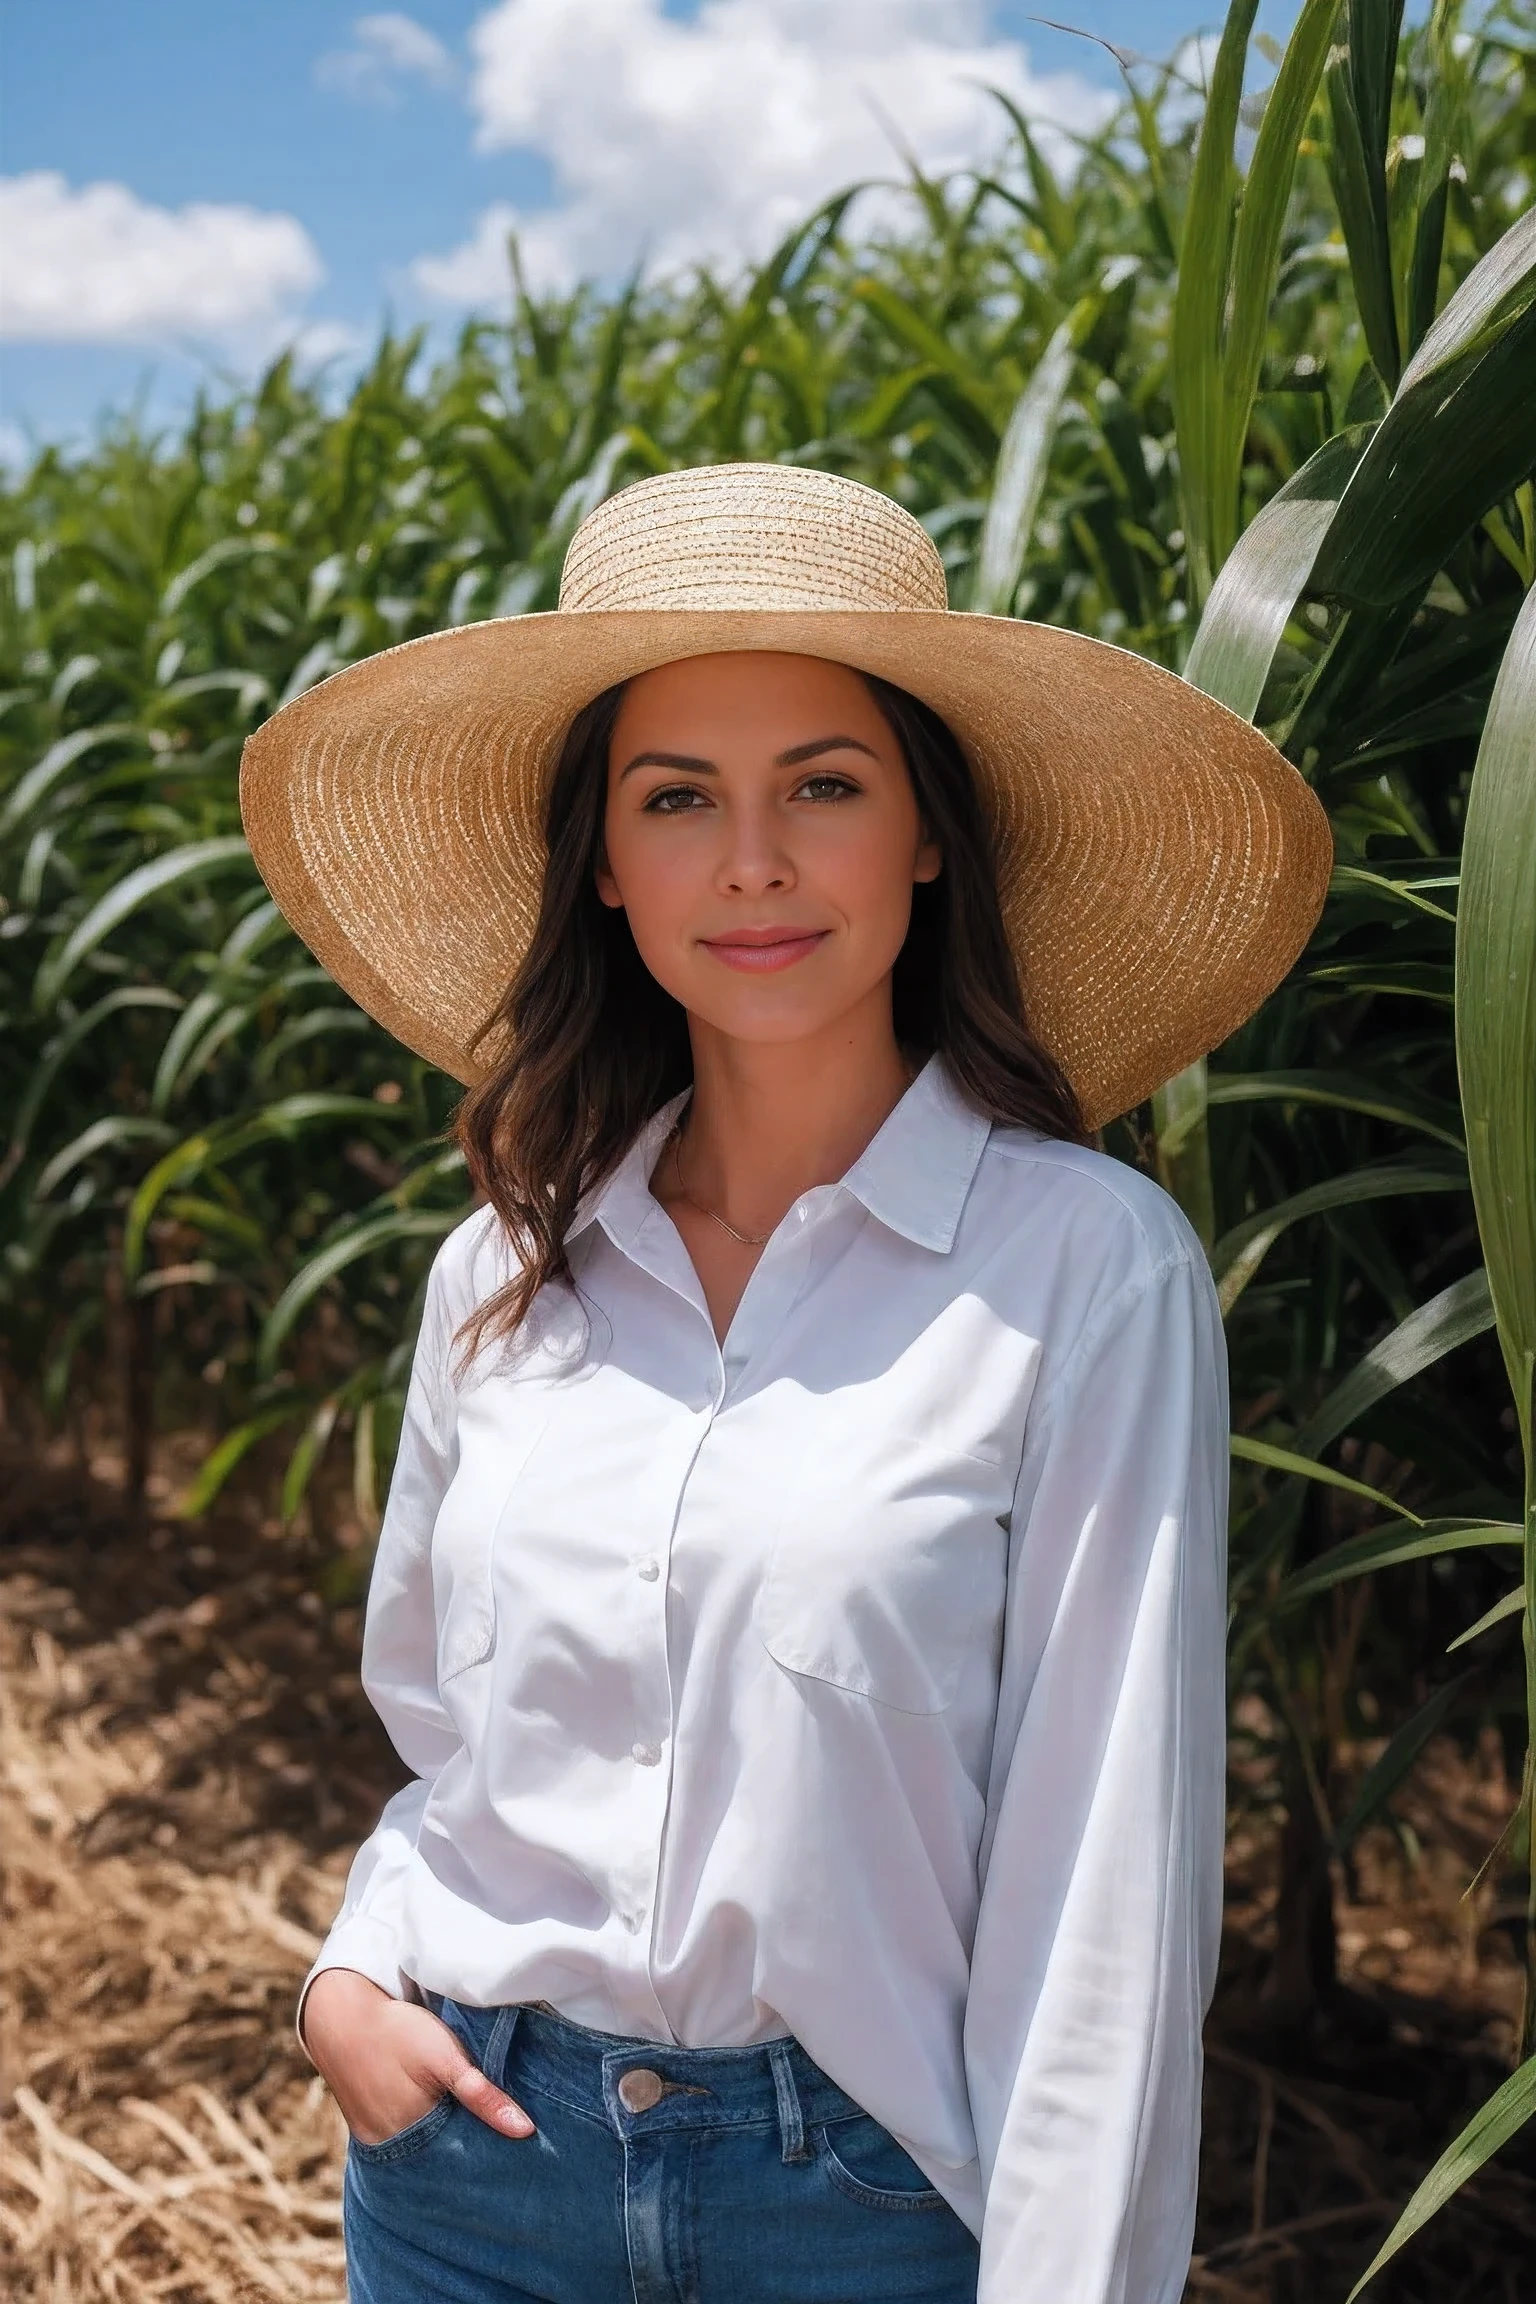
475 1264
1088 1200
474 1260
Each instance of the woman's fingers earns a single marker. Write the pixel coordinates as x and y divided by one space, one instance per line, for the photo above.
389 2061
479 2095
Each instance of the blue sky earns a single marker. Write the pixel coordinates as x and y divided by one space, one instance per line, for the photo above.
296 168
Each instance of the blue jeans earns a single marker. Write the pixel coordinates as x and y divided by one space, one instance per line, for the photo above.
657 2176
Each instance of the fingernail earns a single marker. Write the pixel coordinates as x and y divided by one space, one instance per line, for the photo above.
517 2123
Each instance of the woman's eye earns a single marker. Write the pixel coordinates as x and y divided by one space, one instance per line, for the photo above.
826 788
675 800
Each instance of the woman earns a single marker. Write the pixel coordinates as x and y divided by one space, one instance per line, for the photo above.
800 1601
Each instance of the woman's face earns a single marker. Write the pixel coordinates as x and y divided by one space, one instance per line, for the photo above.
762 835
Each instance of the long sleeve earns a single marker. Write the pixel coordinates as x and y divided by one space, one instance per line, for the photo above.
400 1662
1098 1929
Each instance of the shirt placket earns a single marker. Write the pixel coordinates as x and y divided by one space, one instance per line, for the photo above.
649 1761
769 1296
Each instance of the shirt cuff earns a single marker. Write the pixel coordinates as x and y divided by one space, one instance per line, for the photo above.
363 1944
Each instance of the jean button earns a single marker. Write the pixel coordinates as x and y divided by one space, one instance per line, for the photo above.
650 1570
640 2089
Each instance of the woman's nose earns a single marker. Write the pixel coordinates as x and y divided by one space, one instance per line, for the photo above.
756 861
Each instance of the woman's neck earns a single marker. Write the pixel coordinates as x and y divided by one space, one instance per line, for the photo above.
769 1121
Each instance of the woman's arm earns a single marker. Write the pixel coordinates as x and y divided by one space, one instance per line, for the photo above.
1099 1925
400 1656
387 2063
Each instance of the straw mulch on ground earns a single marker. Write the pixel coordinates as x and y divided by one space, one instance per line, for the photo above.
188 1762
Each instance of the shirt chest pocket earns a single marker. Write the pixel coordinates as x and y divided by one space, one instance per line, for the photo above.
473 1513
890 1585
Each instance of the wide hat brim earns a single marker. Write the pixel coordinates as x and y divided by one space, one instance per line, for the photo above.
1160 864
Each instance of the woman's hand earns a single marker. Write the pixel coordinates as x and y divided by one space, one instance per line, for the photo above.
387 2061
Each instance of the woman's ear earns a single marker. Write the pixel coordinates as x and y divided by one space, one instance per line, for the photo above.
929 862
607 886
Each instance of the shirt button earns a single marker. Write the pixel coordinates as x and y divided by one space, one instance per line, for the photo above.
650 1570
646 1754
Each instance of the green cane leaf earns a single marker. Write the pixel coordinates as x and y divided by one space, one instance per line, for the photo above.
212 1147
1490 2128
1391 1547
1512 1604
1261 220
1496 1004
1459 435
1247 1243
1265 575
1359 83
218 1464
1345 1092
312 1276
1443 1325
109 1133
1020 478
56 763
63 1047
1383 1779
1197 365
1307 1468
196 860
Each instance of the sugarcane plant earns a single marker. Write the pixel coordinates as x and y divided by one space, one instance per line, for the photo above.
1443 448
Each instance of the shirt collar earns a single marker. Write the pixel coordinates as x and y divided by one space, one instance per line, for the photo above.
913 1176
916 1171
623 1199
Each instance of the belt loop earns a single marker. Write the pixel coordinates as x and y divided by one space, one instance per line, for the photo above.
498 2047
791 2125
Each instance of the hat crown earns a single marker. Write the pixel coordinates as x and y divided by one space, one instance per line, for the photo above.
751 536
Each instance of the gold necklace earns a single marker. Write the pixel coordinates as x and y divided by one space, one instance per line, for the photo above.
745 1239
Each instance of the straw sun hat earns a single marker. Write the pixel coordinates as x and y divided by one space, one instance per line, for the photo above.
1160 864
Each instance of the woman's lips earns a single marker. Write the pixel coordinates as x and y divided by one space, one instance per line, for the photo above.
756 951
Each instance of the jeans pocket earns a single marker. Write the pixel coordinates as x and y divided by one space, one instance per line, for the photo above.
407 2140
868 2165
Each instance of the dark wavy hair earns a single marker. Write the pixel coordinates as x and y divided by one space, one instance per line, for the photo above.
594 1045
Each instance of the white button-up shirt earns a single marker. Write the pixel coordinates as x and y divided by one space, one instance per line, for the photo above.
860 1678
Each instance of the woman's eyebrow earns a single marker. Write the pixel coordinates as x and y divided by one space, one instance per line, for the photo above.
682 760
799 752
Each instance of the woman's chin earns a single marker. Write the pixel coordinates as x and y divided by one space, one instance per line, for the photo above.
763 1016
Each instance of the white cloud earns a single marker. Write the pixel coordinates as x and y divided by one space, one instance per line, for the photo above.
385 50
315 343
97 265
710 137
